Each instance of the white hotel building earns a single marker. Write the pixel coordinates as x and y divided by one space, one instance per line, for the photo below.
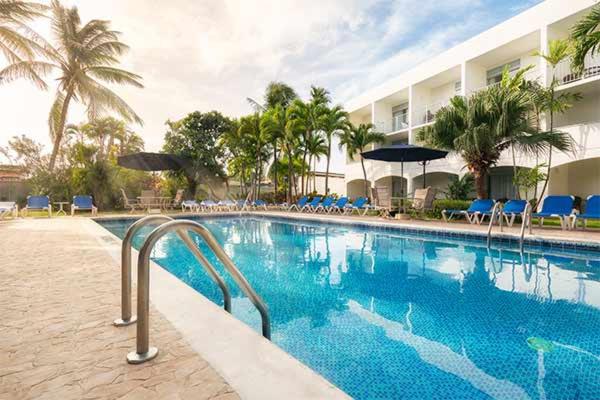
403 105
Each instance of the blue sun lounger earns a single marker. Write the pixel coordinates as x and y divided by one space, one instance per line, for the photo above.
38 203
513 209
479 207
83 203
312 205
360 204
592 211
299 204
338 206
325 205
560 207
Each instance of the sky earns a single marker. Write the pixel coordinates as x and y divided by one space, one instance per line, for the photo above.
202 55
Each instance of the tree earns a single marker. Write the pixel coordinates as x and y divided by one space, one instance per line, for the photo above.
316 147
558 50
84 56
333 122
356 140
585 36
478 129
195 137
460 188
273 123
279 94
256 140
18 43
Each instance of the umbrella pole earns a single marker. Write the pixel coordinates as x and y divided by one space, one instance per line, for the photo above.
424 182
402 186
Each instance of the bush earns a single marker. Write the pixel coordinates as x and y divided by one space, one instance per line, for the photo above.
446 204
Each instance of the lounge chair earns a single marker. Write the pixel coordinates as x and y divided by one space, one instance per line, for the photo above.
191 205
592 211
560 207
314 203
324 205
513 209
83 203
478 208
178 198
227 205
259 204
382 201
132 204
423 199
338 206
40 203
8 208
360 204
208 205
300 204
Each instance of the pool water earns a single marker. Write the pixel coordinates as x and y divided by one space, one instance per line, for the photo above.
387 315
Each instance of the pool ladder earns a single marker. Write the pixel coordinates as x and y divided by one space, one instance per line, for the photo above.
182 227
497 212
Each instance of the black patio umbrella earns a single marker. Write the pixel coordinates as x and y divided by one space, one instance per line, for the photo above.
153 161
405 153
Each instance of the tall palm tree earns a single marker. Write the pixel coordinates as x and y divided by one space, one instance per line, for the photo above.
333 122
84 56
257 141
316 147
356 140
18 43
279 93
585 36
558 51
273 123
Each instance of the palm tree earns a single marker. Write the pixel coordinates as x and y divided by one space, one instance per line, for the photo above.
558 51
333 122
585 36
279 93
482 127
356 140
18 43
85 56
257 141
273 123
316 147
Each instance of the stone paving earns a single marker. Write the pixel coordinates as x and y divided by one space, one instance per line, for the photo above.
59 292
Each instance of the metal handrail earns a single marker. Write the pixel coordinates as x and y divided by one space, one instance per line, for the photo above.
525 220
126 317
496 210
143 351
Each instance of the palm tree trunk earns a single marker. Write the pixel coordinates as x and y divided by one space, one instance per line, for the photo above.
327 168
61 128
290 175
303 165
362 163
514 160
308 174
537 203
480 183
275 167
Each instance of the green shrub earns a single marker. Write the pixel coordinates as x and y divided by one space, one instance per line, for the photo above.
446 204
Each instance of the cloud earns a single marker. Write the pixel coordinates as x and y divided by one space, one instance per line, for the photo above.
204 55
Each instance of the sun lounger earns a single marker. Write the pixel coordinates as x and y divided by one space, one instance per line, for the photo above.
38 203
592 211
131 204
300 204
338 206
359 205
560 207
227 205
8 208
83 203
513 209
191 205
474 214
259 204
314 203
208 205
324 205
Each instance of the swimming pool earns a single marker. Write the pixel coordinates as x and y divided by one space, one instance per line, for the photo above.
387 314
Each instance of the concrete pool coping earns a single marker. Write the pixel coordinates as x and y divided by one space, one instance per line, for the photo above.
253 366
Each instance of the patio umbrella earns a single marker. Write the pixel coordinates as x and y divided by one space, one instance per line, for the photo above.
153 161
405 153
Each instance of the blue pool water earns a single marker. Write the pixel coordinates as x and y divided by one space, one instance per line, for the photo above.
387 315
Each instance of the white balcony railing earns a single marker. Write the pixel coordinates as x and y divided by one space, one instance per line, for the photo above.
425 115
398 123
564 74
531 75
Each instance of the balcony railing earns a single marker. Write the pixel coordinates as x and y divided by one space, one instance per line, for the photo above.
531 75
426 114
397 123
564 74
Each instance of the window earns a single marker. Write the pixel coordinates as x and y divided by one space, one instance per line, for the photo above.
400 117
494 75
457 88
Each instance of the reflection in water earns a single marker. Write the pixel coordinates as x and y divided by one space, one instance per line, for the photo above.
390 316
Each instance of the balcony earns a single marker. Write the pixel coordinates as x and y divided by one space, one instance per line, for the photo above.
396 124
426 115
564 74
531 75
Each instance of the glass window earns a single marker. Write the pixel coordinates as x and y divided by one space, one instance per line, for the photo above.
494 75
457 87
400 117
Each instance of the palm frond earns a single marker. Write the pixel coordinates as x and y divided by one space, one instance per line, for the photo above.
115 75
55 113
30 70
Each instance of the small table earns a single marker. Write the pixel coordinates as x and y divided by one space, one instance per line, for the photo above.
61 205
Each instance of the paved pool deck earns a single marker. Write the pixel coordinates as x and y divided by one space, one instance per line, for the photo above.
59 293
